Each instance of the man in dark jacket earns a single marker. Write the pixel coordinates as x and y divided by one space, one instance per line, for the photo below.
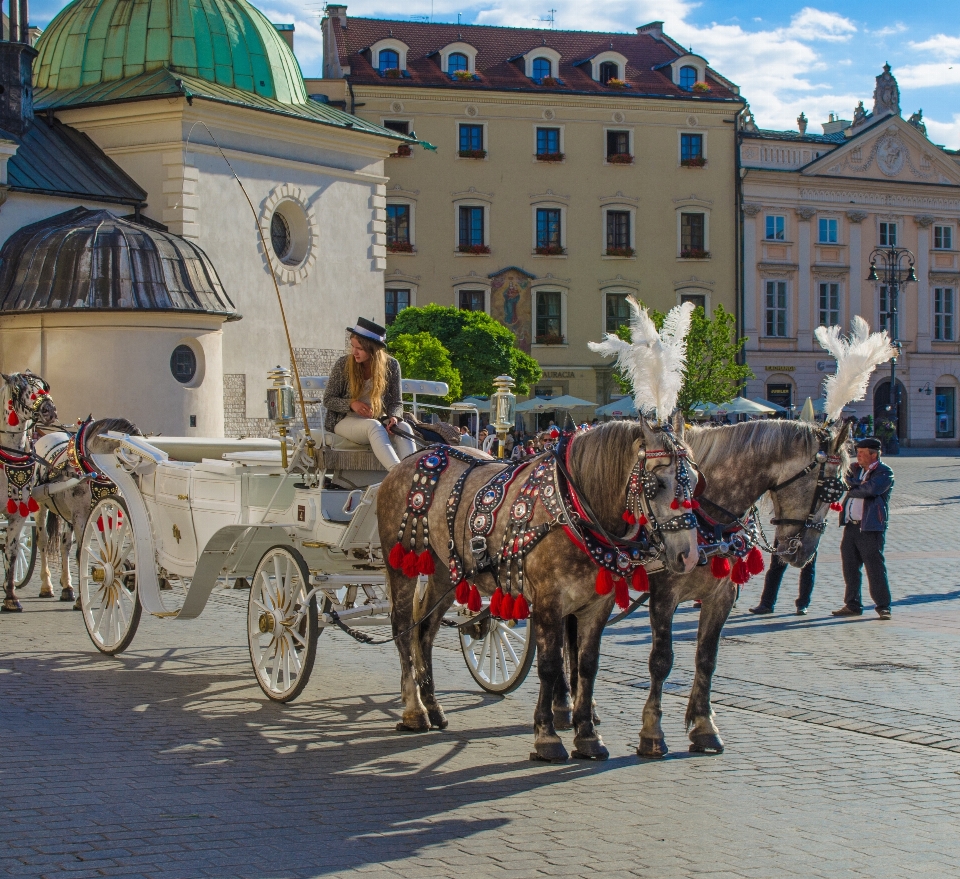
864 521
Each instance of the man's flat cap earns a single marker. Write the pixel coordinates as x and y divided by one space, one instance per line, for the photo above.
871 442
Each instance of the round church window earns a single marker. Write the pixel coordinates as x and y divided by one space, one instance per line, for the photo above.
280 236
183 364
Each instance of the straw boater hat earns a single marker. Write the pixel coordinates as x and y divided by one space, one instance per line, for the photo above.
369 330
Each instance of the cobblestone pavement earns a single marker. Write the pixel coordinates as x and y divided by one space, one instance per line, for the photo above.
842 760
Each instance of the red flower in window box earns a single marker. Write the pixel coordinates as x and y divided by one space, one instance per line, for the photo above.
475 249
393 73
550 157
403 151
551 339
550 250
694 253
702 88
620 251
620 159
472 154
695 162
550 82
399 247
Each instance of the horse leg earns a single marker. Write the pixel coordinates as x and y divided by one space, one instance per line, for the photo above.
407 635
11 604
548 630
438 590
567 681
43 547
67 535
703 732
663 604
587 742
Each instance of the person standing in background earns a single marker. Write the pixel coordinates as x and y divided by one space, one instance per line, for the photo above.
771 585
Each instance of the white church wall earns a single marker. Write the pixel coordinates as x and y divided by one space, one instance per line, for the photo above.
21 209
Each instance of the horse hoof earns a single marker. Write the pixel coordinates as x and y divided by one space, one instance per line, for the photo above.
438 720
591 748
706 743
11 605
67 594
45 593
403 727
76 605
652 749
549 751
563 718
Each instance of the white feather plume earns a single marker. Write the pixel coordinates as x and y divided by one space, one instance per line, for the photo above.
857 357
653 362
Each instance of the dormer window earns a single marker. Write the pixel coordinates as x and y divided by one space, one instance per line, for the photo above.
457 61
542 68
389 60
609 70
688 78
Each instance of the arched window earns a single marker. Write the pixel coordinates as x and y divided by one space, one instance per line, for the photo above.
688 77
389 60
457 61
542 68
609 70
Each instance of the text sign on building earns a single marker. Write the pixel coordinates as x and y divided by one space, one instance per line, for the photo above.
780 368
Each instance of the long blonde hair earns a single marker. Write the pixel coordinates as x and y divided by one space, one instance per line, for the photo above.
378 374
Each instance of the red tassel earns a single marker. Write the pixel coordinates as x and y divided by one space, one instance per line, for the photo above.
24 510
623 596
688 504
641 583
836 507
32 505
462 594
425 563
720 567
628 517
12 419
396 556
674 504
409 566
604 585
755 561
506 607
495 600
740 574
474 603
99 523
642 520
695 504
12 507
521 610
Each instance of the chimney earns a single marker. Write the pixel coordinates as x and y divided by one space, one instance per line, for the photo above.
339 12
834 124
24 21
16 86
653 29
286 31
802 123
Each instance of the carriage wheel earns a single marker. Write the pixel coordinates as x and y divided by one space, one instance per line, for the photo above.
498 654
26 555
108 577
281 629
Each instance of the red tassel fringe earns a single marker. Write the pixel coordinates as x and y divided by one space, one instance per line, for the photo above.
409 566
32 505
755 563
674 504
740 574
506 607
604 585
720 567
836 507
425 563
12 507
641 583
12 419
623 596
642 520
462 594
474 603
396 556
521 610
495 600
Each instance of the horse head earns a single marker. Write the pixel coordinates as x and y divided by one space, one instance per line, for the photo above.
26 402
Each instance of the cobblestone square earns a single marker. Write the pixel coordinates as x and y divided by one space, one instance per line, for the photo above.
842 760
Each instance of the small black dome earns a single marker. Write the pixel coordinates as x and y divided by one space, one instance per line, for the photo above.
85 259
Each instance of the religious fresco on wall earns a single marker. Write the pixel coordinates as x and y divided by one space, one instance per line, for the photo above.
510 303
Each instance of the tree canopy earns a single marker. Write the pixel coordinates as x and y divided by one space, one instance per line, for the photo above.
713 374
423 356
480 347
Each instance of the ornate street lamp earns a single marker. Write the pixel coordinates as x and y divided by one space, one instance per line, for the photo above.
896 268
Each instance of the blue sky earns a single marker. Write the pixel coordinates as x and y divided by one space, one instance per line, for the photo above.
786 57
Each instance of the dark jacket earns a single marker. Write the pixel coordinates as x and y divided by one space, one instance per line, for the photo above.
875 488
336 398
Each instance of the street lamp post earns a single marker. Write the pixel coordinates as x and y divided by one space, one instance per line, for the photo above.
896 268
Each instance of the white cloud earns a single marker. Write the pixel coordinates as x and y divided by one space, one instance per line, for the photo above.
814 24
926 76
941 46
889 31
944 132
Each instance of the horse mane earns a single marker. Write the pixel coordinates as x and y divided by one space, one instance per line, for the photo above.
96 431
775 440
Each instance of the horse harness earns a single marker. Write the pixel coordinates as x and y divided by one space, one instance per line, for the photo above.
829 488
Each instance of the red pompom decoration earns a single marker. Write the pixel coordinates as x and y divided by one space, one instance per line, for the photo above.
604 585
629 518
641 583
24 510
32 505
99 523
495 600
11 507
12 419
463 592
720 567
740 574
425 563
409 566
695 504
755 561
642 520
506 607
521 610
474 602
623 596
688 504
674 504
836 507
396 556
33 396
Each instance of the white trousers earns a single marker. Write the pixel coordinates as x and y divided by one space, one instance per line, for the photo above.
369 430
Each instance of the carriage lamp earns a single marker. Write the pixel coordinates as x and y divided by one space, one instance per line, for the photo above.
503 410
280 406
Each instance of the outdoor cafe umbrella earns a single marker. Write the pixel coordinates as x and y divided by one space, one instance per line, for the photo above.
536 404
623 406
775 406
743 406
477 403
807 413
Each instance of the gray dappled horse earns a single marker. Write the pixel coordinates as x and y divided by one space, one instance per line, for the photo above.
68 491
789 459
559 578
25 403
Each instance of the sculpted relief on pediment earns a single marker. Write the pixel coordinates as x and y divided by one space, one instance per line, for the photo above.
888 156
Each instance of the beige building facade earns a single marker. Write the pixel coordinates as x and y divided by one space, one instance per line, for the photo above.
553 194
815 206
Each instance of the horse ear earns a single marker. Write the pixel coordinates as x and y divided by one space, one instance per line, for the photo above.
842 435
678 424
5 377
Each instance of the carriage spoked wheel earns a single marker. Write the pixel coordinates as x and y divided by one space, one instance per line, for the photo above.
282 627
26 557
108 577
498 653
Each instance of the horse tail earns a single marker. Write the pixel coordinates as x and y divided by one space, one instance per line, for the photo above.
52 527
420 673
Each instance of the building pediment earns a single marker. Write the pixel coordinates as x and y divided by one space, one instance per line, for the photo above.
891 150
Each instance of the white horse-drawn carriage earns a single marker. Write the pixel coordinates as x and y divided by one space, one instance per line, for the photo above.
194 515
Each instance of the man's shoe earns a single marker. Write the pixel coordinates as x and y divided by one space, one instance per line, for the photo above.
761 609
847 611
801 611
883 614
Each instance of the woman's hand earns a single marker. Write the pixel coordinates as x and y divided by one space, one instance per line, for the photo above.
390 422
362 409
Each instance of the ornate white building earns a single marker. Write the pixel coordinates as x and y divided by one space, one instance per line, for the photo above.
814 206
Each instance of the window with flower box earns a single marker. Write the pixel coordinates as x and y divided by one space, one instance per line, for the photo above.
471 144
693 238
617 312
609 70
619 239
471 233
398 228
457 62
618 148
389 60
691 151
471 300
549 318
548 145
549 241
542 69
400 127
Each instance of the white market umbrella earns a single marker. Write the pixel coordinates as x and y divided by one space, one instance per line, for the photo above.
807 413
537 404
565 401
775 406
622 407
477 403
743 406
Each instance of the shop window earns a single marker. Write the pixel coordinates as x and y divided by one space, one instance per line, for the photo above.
781 394
946 413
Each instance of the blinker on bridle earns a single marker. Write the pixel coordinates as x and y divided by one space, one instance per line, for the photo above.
829 489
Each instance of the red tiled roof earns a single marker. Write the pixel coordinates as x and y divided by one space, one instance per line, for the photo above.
497 45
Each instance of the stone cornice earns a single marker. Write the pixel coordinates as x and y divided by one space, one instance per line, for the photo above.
619 281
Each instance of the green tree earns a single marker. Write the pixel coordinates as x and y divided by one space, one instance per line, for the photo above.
713 374
423 356
480 347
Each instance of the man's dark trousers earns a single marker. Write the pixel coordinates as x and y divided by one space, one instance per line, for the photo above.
864 549
771 583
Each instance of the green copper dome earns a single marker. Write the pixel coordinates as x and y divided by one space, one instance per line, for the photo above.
228 42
